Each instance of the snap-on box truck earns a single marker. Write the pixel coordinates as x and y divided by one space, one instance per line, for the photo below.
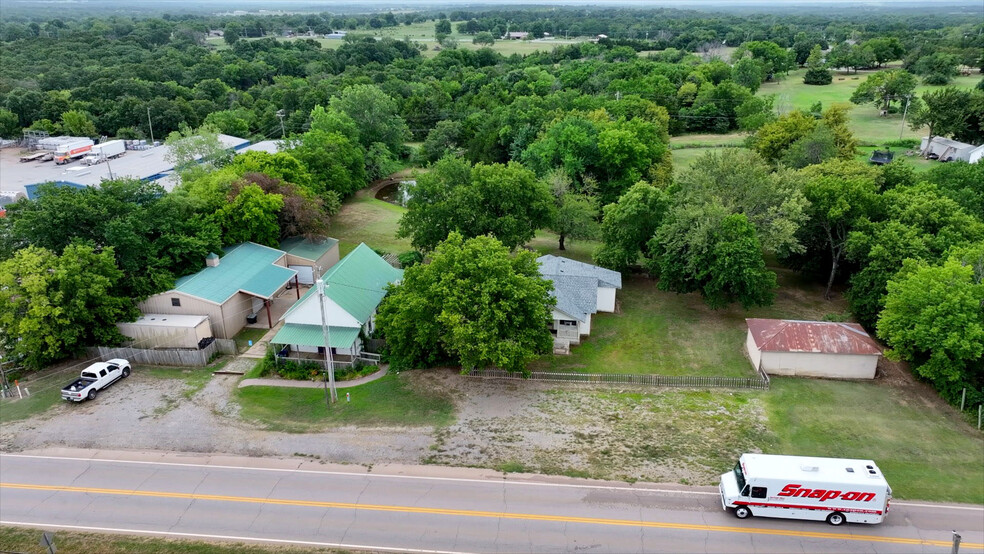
834 490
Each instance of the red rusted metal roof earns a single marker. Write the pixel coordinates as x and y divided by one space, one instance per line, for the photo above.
786 335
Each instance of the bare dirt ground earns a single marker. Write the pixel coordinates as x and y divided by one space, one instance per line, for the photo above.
511 426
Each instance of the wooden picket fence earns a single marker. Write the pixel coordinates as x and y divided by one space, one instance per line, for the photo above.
761 381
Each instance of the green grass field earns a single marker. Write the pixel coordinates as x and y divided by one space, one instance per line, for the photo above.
869 127
665 333
926 452
23 539
365 219
386 401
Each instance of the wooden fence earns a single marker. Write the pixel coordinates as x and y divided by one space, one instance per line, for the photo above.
181 357
688 381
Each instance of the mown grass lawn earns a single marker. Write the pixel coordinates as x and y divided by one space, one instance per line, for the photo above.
40 401
23 539
390 400
926 451
665 333
865 121
365 219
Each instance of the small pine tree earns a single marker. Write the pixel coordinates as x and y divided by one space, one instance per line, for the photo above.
816 70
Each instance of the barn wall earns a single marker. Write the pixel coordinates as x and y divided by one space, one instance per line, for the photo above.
810 364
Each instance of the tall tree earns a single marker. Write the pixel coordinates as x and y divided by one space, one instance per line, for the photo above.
934 317
474 304
628 225
884 88
505 201
839 199
945 112
744 183
816 70
575 215
52 306
375 115
701 248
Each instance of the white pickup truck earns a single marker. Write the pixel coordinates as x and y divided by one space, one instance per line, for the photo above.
95 378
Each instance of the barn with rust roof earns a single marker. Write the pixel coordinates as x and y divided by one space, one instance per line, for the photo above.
812 348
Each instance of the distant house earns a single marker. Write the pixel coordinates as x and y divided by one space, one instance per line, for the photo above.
811 348
580 290
599 37
948 150
337 35
230 289
516 35
216 33
310 258
354 287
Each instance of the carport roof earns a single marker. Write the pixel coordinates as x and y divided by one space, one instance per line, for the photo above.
313 335
827 337
247 267
307 249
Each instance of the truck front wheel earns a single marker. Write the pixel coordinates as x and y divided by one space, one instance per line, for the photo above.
126 372
92 394
742 512
836 519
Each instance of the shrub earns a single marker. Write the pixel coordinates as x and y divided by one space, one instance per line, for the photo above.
410 258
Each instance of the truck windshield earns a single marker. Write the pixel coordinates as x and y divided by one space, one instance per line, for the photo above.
739 477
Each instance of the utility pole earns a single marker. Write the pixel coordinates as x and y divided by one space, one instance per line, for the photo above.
283 133
905 111
151 124
330 373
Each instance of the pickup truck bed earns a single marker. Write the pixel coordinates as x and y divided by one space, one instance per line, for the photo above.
79 384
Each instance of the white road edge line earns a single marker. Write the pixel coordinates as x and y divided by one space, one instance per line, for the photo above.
451 479
348 474
230 537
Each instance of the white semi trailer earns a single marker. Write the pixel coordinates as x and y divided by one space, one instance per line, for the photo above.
105 151
72 148
834 490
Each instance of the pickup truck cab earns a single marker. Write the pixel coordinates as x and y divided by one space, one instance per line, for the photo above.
95 378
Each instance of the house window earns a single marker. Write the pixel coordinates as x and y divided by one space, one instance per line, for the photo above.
567 322
176 302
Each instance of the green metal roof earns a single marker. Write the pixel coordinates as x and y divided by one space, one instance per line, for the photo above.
312 335
246 267
304 248
357 283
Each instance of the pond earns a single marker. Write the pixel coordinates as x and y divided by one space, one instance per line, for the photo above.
396 193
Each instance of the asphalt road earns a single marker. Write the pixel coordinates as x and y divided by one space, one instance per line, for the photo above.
428 509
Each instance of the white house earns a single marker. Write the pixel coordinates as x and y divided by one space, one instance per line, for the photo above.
811 348
354 287
581 290
948 150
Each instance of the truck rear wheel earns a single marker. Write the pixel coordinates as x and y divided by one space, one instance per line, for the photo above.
836 519
742 512
92 394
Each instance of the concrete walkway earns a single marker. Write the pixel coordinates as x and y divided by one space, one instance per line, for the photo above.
313 384
259 348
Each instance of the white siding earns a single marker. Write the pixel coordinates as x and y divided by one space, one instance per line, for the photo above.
754 354
309 313
976 154
814 364
606 299
585 326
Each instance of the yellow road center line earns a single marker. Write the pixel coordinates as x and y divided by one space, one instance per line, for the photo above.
480 513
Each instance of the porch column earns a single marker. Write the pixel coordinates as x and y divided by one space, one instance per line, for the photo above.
297 287
266 304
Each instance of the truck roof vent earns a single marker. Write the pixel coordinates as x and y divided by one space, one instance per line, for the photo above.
810 468
850 469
